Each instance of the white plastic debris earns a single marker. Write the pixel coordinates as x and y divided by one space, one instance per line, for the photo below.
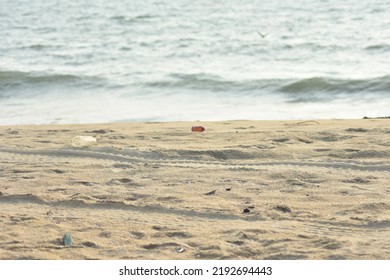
179 249
83 141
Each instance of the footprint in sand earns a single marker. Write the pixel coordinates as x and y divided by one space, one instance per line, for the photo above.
357 180
105 234
153 246
100 131
281 256
357 130
281 140
210 256
283 208
13 132
171 232
178 234
89 244
122 181
18 171
58 171
85 183
328 243
136 234
322 150
328 136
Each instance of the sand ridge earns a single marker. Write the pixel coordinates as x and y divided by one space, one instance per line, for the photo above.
241 190
156 158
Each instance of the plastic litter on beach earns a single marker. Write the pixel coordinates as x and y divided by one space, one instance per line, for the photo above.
83 141
68 240
179 249
198 128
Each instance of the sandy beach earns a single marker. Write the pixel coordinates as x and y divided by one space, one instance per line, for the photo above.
240 190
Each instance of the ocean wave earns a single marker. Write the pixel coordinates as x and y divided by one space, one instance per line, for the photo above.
39 47
205 82
24 80
195 82
378 48
125 20
332 85
312 89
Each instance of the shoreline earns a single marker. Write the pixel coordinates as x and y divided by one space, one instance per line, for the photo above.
199 121
310 189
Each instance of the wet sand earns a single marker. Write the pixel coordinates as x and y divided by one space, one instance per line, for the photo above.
240 190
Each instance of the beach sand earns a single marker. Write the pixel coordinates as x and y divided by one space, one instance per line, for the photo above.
240 190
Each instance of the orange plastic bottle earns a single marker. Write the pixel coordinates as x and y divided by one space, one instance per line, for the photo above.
198 128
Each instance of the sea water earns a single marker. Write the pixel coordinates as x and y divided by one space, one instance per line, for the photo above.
93 61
